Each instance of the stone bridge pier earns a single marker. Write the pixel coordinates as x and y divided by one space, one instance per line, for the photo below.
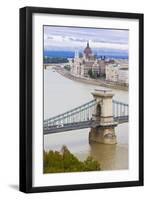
103 126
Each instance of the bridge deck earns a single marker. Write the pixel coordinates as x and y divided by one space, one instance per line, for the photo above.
81 117
78 125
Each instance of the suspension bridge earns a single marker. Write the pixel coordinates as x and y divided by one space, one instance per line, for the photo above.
102 111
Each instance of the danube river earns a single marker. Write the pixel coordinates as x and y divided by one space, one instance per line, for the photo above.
61 95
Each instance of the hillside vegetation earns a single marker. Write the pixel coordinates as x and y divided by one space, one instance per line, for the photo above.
65 161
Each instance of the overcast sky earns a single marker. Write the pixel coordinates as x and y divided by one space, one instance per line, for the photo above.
72 38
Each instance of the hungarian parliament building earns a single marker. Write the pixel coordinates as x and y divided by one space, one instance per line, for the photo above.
86 63
83 62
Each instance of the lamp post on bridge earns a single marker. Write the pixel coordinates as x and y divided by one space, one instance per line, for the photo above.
103 126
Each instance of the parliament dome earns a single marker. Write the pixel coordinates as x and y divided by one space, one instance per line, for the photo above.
87 50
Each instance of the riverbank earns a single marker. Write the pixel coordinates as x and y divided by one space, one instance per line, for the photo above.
97 82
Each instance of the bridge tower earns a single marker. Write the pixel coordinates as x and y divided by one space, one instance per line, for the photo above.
103 126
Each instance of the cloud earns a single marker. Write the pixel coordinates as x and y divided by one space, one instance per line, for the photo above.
75 38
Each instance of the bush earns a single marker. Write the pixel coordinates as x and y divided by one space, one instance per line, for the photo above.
67 67
92 74
65 161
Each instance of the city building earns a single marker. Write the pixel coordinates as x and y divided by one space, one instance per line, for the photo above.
117 73
86 61
86 64
123 75
112 72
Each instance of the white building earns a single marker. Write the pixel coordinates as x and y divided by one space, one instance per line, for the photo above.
81 65
112 72
117 73
123 75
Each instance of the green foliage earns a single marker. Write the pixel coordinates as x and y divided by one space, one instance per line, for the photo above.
92 74
67 67
55 60
91 165
65 161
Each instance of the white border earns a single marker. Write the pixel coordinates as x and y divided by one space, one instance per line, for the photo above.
39 179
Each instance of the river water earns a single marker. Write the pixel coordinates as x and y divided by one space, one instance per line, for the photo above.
61 95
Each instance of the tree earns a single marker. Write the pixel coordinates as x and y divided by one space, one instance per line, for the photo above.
90 73
67 67
65 161
54 60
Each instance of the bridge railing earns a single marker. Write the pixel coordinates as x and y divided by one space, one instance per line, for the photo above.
78 114
120 110
84 113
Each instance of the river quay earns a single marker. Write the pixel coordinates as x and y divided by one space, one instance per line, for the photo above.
97 82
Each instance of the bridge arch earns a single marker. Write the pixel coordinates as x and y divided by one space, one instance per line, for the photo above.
98 112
